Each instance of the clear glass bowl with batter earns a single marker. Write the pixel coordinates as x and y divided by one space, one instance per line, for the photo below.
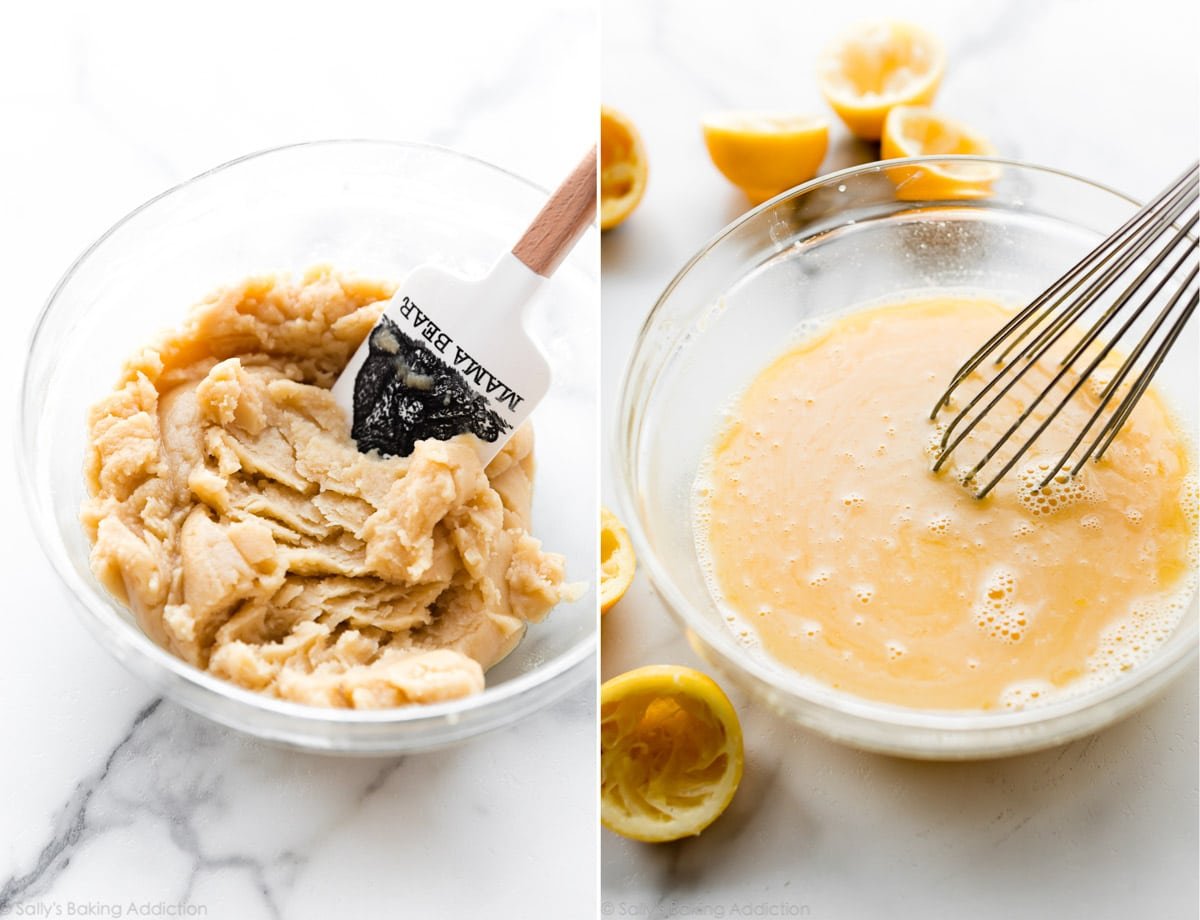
372 209
847 239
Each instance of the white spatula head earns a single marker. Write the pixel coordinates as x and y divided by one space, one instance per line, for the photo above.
452 356
449 356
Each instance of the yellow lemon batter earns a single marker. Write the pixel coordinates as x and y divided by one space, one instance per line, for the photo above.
851 562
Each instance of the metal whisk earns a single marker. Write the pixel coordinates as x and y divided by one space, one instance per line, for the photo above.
1110 286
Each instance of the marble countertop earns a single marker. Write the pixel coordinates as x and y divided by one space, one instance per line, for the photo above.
1105 827
110 797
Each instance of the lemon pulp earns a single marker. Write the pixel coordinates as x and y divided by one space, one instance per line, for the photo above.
670 753
623 168
878 65
617 561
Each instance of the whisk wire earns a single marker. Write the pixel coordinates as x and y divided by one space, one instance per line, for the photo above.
1111 387
1139 233
1051 334
1082 379
1114 426
1145 238
1028 337
1096 255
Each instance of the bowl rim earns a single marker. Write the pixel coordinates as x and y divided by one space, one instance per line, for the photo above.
122 632
960 723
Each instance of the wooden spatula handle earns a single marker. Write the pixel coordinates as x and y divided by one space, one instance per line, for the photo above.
560 223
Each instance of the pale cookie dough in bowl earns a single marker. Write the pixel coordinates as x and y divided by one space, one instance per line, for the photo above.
234 548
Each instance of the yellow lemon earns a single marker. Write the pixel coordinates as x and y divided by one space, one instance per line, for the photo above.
670 753
617 561
622 168
877 66
763 154
912 131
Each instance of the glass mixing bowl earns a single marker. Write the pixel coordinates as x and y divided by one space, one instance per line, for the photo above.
841 240
374 209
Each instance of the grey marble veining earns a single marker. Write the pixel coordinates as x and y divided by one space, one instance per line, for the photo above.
211 814
110 797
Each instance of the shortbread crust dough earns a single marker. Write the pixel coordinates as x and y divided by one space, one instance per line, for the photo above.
231 511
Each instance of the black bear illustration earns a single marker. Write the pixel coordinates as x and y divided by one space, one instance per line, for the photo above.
405 393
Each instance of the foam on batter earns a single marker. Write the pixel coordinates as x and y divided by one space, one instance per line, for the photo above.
998 612
1132 639
1060 493
831 549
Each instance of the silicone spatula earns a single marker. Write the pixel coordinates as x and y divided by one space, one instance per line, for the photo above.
452 355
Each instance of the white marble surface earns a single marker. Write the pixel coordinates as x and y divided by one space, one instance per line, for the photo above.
1105 827
107 795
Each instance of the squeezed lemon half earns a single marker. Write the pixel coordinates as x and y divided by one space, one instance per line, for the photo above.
623 168
765 153
911 131
670 753
617 561
877 66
